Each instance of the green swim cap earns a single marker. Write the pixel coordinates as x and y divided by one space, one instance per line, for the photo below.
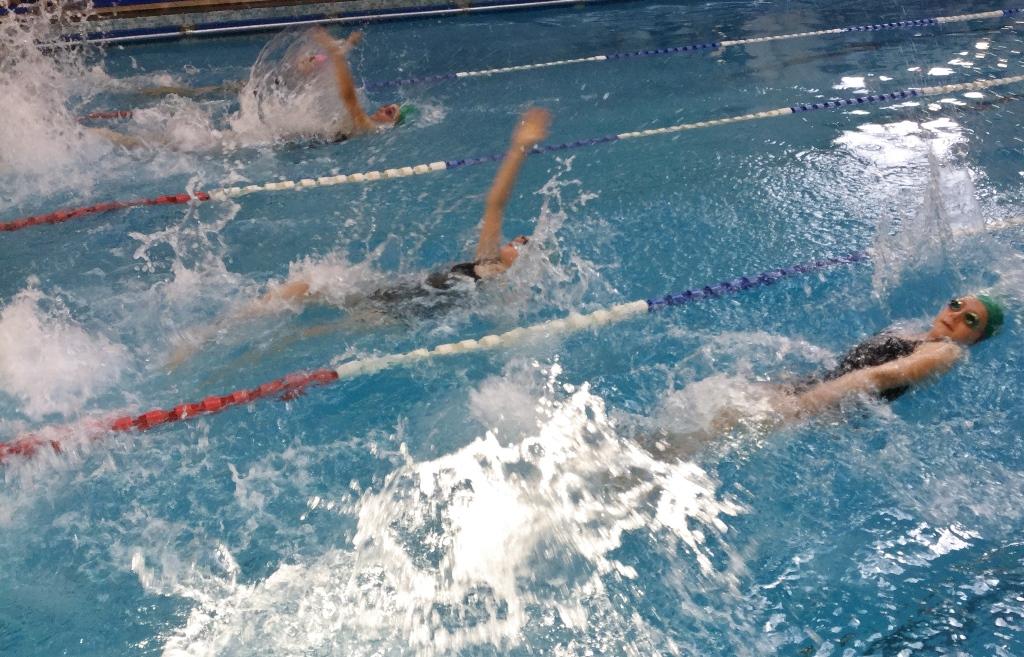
995 314
406 113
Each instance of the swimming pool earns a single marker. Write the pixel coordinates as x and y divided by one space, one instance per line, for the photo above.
378 516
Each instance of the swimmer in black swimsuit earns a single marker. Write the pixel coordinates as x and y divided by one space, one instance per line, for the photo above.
438 291
492 258
888 364
885 366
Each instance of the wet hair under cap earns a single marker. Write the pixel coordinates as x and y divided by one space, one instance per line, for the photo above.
995 314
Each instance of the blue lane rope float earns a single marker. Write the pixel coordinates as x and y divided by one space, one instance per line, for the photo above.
239 26
223 193
671 50
577 322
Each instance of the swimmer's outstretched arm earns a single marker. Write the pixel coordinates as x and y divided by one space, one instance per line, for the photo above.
930 359
532 128
343 75
291 293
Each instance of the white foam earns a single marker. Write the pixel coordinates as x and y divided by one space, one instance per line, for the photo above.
42 147
855 82
50 363
465 549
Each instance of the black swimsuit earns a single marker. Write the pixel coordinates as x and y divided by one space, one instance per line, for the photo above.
879 349
438 293
445 280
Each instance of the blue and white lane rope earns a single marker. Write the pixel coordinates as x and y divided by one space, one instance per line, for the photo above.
619 312
692 48
445 165
578 322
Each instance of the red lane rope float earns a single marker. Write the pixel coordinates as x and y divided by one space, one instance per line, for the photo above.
287 387
60 216
109 114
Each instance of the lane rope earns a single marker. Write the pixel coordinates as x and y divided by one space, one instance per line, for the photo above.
293 385
671 50
224 193
694 47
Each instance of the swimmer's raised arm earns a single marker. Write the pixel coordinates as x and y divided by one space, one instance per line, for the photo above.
928 360
343 75
532 128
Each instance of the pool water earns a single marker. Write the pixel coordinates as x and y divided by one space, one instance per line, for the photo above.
508 502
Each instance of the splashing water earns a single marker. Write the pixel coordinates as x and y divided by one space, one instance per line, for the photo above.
547 274
48 362
470 549
291 92
40 140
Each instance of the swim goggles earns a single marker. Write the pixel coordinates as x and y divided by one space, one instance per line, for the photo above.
970 317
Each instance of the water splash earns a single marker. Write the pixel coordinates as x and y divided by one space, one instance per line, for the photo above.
923 243
291 92
550 272
48 362
489 546
42 147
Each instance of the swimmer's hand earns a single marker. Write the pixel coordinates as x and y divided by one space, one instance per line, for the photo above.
532 128
327 42
323 39
354 39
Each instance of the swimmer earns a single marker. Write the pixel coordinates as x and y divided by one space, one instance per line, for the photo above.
491 259
888 364
386 116
308 91
883 366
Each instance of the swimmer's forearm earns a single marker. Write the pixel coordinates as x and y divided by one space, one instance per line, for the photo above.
497 199
929 360
343 78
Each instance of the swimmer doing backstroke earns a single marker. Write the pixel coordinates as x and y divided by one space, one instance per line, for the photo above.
284 94
439 289
883 366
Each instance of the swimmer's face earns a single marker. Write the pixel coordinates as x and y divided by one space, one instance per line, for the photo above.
386 114
510 251
962 320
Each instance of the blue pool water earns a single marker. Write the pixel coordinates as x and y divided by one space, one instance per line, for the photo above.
505 502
